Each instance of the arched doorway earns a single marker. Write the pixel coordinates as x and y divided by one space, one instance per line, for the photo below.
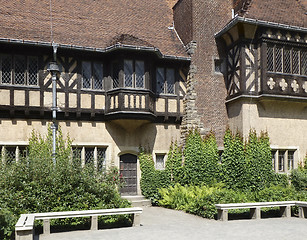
128 169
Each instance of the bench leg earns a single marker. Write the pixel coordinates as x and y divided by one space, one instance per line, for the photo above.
46 228
302 212
24 235
285 211
136 220
255 213
94 223
222 214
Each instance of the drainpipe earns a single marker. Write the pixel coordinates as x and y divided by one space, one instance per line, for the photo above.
54 70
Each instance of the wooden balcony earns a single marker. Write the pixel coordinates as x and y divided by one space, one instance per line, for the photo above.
123 103
281 84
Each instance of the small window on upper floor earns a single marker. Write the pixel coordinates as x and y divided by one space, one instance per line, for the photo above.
165 80
92 75
287 60
134 74
218 65
19 70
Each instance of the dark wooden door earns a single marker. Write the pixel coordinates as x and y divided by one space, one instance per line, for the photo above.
128 169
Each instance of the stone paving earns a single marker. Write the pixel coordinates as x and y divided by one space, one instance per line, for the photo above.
160 223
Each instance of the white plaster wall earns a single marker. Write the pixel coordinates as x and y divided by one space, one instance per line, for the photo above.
113 135
285 121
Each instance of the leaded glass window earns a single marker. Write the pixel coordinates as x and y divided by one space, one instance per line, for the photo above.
165 80
86 75
115 74
278 59
170 80
303 62
10 154
295 62
98 75
89 156
134 74
287 61
22 152
128 71
139 74
160 78
101 155
270 57
6 69
32 71
20 70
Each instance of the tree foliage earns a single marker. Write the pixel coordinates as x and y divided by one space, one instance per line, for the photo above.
35 184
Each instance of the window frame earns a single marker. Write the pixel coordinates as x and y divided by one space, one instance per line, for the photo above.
295 63
92 75
165 82
277 153
13 71
157 155
134 73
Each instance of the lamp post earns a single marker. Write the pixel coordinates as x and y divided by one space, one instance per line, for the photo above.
54 70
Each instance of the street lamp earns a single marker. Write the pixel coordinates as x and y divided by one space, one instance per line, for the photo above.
53 68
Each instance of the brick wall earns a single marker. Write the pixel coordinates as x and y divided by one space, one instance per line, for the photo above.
183 20
208 87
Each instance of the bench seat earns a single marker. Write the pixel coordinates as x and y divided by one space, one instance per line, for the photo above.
24 228
255 208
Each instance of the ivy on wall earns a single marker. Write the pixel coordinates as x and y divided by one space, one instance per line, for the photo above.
234 173
244 166
174 163
151 179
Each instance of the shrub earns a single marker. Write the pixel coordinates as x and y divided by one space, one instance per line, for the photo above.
200 159
234 162
173 164
259 161
151 179
299 179
35 184
201 200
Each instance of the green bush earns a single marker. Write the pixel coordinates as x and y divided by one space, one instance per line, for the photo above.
35 184
173 164
152 179
299 179
200 159
260 173
201 200
234 162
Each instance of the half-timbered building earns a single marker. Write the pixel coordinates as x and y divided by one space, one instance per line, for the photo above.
120 84
249 70
141 73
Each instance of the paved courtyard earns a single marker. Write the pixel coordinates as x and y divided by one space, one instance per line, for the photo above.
160 223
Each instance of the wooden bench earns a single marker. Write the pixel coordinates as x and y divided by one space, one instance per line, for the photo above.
24 228
255 208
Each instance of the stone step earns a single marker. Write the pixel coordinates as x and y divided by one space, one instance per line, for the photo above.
138 200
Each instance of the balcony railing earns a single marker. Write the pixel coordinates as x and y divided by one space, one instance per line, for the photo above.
285 84
123 102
